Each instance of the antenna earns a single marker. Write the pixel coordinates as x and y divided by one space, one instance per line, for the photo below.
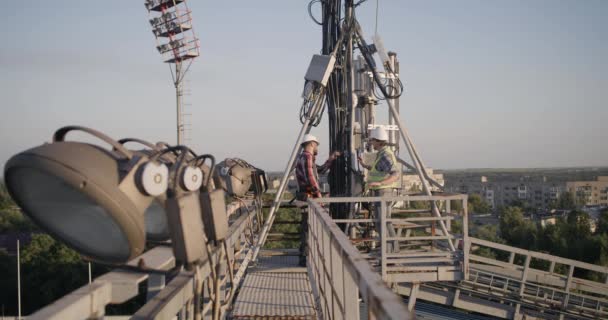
176 41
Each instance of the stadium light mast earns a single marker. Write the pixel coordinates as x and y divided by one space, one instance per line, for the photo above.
177 43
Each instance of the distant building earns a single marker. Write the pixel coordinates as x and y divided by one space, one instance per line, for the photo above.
274 184
411 181
591 193
550 217
499 191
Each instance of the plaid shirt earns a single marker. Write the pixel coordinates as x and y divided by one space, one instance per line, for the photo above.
307 173
386 163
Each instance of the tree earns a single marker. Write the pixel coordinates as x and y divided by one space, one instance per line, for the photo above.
577 232
602 240
418 204
456 206
11 218
602 222
8 283
580 224
5 198
477 205
49 270
516 230
551 240
488 232
567 201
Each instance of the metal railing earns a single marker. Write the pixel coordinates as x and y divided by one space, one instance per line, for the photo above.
339 274
424 251
540 287
177 298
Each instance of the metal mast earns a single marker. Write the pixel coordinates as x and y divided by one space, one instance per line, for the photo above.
176 41
349 89
340 100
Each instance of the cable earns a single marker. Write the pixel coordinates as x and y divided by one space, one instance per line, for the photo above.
310 4
200 160
367 55
359 3
313 95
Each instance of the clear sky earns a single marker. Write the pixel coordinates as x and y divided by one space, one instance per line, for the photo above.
488 83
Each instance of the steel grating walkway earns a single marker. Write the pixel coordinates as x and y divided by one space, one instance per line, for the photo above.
275 289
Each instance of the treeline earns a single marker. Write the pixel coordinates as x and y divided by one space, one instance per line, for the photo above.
570 237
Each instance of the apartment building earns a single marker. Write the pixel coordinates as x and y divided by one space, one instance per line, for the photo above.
498 191
411 181
591 193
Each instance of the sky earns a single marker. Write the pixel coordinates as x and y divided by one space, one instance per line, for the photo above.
488 83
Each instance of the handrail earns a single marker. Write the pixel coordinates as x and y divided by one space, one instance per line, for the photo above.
428 237
118 286
339 274
435 197
540 255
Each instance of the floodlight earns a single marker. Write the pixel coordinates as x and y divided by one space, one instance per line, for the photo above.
233 176
236 177
183 207
91 198
155 217
105 203
171 22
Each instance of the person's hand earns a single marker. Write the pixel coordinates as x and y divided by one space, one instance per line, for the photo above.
334 155
362 163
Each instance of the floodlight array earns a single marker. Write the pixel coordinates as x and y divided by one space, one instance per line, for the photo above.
171 22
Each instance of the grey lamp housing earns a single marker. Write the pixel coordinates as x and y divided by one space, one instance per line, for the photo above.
183 208
84 195
234 176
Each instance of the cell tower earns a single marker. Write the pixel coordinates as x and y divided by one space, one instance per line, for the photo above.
176 41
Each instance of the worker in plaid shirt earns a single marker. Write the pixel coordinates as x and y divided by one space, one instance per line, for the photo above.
307 174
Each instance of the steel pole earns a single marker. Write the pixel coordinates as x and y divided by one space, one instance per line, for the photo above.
350 106
18 281
178 100
277 199
391 118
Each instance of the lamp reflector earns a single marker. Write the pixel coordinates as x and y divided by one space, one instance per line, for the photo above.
84 196
157 227
69 214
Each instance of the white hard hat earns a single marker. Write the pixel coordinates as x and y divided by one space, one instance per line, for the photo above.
309 138
379 133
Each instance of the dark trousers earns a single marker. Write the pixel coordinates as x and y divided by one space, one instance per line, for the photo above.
303 236
392 246
301 198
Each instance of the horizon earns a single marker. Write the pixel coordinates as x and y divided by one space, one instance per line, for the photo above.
590 168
